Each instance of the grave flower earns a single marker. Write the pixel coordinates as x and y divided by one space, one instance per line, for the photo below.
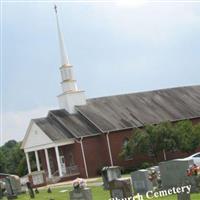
79 183
193 170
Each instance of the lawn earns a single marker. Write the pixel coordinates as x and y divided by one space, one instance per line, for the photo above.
97 192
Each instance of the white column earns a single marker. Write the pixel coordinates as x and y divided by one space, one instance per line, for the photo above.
84 160
109 149
28 162
37 160
58 161
47 161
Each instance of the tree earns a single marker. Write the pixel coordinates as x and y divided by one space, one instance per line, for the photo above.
166 138
188 136
2 162
152 139
156 139
12 159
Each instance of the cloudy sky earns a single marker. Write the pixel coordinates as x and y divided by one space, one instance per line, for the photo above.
114 47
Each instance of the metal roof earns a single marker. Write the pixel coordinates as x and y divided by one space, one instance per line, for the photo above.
120 112
52 129
137 109
75 124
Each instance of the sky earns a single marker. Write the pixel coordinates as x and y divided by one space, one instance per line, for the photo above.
115 48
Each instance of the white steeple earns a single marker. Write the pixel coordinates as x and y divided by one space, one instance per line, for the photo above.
63 54
71 95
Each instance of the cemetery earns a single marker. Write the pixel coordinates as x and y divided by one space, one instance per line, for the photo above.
181 183
76 151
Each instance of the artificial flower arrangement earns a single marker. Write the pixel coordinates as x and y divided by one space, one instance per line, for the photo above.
79 183
193 170
152 175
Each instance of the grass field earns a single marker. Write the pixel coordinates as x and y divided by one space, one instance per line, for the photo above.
98 193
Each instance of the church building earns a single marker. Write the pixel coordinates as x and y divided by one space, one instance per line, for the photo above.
84 135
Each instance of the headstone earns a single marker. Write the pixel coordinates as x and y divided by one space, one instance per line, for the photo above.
36 191
197 182
183 196
9 189
38 178
110 174
30 190
13 186
81 194
141 182
49 190
174 173
120 188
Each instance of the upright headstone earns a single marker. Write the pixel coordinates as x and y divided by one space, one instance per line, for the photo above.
49 190
36 191
141 182
37 178
30 190
183 196
9 189
120 188
109 174
81 194
174 173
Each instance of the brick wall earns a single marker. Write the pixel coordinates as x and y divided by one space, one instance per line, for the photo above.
97 154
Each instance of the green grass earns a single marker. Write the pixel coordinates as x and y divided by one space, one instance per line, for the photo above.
97 192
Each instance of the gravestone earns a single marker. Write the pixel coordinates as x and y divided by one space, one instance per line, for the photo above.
36 191
120 188
9 189
49 190
14 182
81 194
30 190
38 178
110 174
141 182
183 196
174 173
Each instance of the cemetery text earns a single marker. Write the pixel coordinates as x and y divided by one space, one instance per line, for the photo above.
156 194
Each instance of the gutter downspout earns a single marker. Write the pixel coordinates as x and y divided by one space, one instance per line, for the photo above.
109 149
83 154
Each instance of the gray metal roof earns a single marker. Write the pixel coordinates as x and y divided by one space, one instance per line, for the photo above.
137 109
52 129
75 124
59 124
122 112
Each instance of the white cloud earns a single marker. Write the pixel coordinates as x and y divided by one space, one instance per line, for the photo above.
16 123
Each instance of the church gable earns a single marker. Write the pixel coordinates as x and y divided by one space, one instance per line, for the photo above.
35 137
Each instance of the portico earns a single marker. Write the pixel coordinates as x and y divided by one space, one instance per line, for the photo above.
54 157
47 160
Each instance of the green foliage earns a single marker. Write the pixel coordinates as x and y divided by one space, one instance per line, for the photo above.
2 162
145 165
12 159
156 139
188 136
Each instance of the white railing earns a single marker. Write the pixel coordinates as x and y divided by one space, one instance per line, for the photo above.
72 170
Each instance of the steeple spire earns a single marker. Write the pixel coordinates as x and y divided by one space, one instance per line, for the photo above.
71 95
63 53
